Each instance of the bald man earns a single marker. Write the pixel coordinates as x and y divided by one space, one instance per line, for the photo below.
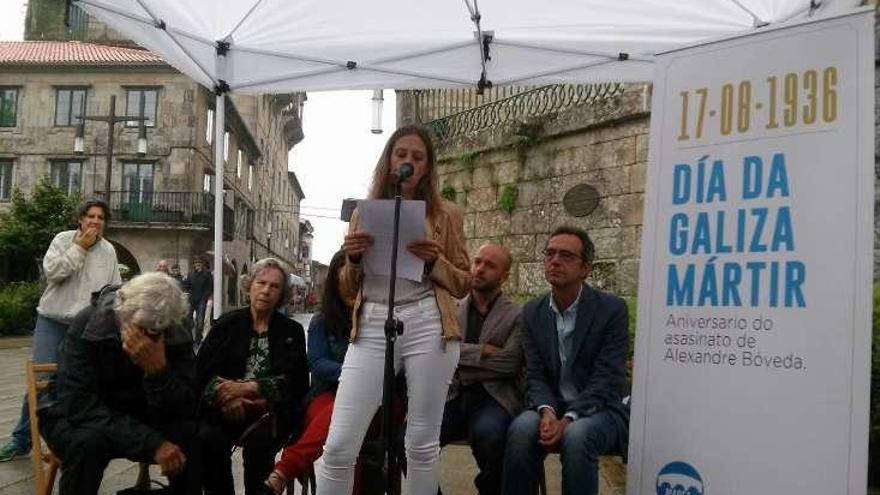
486 391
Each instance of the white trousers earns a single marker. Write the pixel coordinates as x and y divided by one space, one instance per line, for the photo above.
429 369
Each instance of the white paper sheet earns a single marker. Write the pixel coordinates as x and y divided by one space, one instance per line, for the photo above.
377 219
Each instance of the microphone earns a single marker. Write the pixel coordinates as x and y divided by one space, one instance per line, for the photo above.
403 172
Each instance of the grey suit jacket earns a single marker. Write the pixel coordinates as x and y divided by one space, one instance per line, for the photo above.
501 373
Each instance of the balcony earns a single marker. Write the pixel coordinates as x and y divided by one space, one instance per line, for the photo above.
168 210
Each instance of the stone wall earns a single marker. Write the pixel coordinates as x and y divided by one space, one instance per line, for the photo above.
603 144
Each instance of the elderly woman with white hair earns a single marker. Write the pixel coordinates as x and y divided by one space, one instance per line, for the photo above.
126 387
253 374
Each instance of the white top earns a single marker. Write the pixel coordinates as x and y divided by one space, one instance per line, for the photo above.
73 273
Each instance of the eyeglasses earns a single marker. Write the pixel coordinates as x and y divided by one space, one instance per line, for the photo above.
564 255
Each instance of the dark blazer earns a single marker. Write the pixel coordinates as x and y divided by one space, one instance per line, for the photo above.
501 373
600 346
225 353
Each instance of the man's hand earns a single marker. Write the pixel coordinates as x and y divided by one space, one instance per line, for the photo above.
86 238
170 459
426 249
551 443
228 390
488 349
146 352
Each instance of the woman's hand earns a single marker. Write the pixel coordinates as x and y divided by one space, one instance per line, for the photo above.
426 249
356 244
229 390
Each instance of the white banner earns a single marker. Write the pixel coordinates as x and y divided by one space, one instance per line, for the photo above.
753 350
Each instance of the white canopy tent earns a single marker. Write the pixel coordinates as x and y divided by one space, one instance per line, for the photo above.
276 46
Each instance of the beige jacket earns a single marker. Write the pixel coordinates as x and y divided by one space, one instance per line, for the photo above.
450 274
73 273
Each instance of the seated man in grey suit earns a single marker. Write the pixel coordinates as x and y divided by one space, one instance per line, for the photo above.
575 345
486 391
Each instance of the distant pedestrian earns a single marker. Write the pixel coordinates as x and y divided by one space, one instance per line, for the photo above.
199 284
162 266
77 263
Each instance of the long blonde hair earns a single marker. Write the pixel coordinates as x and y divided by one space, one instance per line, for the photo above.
427 189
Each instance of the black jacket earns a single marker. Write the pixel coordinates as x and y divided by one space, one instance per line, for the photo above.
225 353
98 386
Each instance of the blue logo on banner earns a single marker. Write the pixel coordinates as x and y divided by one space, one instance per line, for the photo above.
679 478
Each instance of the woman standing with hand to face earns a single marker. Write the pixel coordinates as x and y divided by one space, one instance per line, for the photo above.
429 347
77 263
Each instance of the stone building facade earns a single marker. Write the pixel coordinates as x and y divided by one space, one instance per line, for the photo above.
512 175
161 200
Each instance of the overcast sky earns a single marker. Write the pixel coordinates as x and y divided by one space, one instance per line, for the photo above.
333 162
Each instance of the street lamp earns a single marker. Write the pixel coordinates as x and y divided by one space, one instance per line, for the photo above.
112 119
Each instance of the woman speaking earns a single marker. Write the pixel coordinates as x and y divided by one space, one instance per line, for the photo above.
429 347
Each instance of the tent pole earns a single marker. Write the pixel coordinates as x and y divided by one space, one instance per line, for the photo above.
219 136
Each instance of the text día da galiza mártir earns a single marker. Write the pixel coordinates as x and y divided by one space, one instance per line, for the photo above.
763 232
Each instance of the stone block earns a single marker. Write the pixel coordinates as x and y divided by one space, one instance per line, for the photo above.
507 172
532 220
538 164
637 176
482 199
460 180
614 242
628 277
490 224
521 247
469 219
642 148
566 161
531 279
615 153
539 192
484 175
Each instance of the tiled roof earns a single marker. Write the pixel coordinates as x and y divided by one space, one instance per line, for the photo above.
72 53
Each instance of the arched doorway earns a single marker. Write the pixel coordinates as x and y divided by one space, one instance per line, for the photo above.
124 257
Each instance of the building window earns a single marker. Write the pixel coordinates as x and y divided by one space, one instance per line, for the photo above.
70 106
239 164
209 127
250 177
5 179
137 181
133 107
226 146
208 183
67 175
8 106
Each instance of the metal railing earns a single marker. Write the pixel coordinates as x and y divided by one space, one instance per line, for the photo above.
180 208
530 103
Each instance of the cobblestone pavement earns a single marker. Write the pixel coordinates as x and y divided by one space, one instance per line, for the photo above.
16 477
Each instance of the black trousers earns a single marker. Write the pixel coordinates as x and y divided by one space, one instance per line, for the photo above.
258 455
86 450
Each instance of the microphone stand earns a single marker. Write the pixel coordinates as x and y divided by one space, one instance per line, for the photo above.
393 328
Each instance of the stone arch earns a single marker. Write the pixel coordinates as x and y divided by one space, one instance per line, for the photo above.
124 257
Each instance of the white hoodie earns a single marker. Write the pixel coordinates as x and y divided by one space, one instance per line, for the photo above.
73 273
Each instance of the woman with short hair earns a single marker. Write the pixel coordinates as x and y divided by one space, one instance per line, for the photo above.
253 374
77 263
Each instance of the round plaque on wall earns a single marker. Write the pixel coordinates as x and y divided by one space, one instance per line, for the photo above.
581 200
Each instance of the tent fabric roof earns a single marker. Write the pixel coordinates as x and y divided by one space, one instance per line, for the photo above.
283 46
73 53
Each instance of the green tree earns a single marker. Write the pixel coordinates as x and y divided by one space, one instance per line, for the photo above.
29 226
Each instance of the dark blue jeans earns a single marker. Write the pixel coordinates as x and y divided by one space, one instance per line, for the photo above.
583 441
474 415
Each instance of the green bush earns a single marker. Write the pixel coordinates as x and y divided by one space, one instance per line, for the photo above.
18 307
